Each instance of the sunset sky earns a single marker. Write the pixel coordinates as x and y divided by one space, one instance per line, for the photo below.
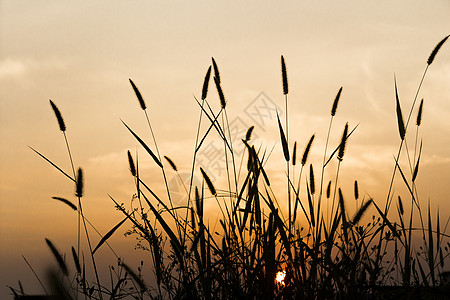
81 54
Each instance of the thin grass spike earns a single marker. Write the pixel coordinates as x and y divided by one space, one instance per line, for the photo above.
76 260
138 95
336 102
436 50
131 164
329 189
341 152
206 83
216 69
109 234
133 274
79 183
361 212
220 92
67 202
400 206
171 163
284 76
208 181
307 150
57 255
312 184
248 135
419 114
62 125
401 124
416 168
294 154
283 140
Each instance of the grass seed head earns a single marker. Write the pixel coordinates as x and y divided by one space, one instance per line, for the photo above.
400 205
294 154
401 124
216 69
329 190
67 202
138 95
343 143
206 83
356 190
248 135
436 50
62 125
312 184
59 258
208 181
336 102
220 92
307 150
284 76
419 114
171 163
131 163
79 183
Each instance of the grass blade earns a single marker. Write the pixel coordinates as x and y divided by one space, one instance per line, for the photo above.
108 235
283 140
144 145
401 124
76 260
430 247
59 259
50 162
416 168
70 204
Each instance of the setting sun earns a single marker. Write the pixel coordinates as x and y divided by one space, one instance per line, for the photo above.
203 143
280 277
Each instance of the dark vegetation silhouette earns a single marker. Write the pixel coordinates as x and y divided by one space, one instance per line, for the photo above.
325 250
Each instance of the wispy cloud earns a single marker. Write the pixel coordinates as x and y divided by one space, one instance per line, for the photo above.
12 67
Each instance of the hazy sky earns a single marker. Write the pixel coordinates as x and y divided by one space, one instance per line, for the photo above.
81 54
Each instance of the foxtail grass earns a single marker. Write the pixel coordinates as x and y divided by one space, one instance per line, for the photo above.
326 254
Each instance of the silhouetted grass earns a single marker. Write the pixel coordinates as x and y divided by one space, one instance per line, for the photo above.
325 254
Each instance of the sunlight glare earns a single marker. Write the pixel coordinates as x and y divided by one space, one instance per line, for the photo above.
280 277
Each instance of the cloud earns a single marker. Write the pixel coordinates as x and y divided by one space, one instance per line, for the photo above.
436 160
12 67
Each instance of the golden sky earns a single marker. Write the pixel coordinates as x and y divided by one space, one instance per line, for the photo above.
81 55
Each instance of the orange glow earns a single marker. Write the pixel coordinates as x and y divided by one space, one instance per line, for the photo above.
280 277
